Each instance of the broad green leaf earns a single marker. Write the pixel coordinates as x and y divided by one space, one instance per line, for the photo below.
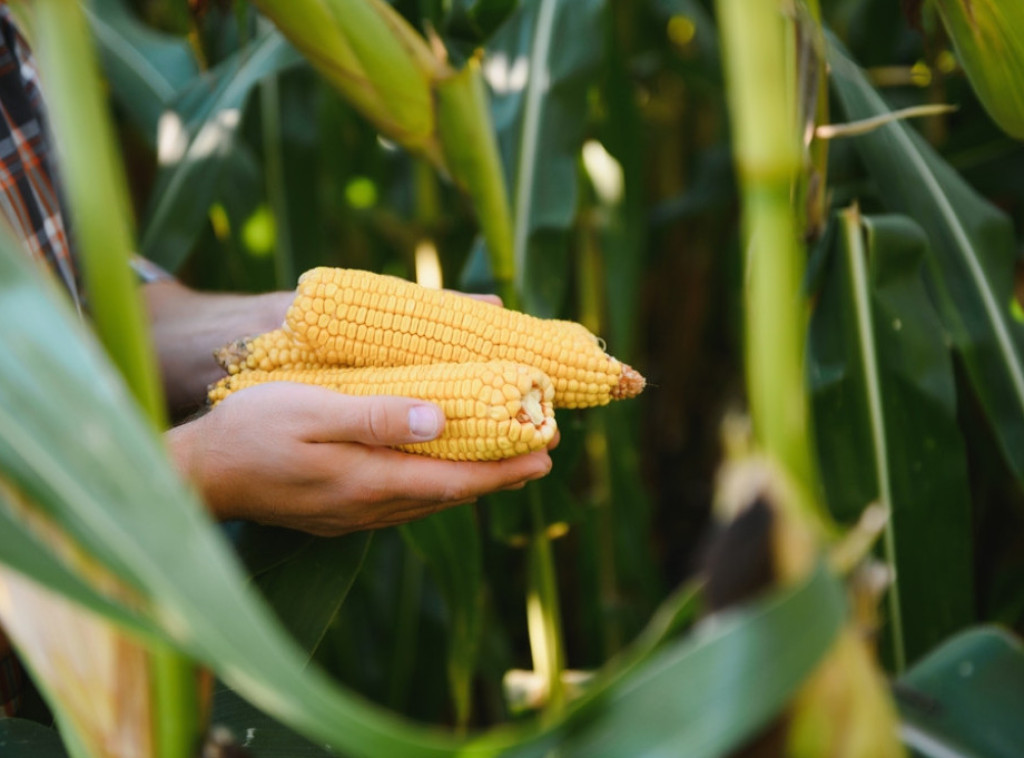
971 253
110 486
20 738
197 136
23 551
539 67
885 413
146 68
449 542
697 697
965 699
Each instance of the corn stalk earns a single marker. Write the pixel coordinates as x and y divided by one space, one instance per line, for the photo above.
769 159
164 684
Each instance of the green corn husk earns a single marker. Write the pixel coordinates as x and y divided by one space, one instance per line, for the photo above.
407 90
369 52
989 44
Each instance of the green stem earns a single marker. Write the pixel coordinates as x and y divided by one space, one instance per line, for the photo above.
768 157
543 614
471 151
591 310
97 194
856 258
273 149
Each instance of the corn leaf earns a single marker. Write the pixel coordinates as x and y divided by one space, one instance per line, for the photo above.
22 550
146 68
971 253
650 712
111 488
882 381
197 137
966 697
539 67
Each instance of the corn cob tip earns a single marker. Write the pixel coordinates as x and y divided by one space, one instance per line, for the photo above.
232 355
631 383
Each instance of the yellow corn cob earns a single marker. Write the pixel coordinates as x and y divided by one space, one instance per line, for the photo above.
493 410
265 352
353 317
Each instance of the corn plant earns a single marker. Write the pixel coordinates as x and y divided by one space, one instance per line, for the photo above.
585 159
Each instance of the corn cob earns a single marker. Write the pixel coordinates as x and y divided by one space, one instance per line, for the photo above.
272 350
357 318
493 410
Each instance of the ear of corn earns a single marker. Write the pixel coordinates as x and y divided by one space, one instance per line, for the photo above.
265 352
493 410
369 53
988 41
348 317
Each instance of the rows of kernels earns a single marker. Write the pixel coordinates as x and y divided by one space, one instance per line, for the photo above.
379 320
480 402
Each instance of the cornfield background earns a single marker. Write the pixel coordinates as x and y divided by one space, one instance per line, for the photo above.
820 285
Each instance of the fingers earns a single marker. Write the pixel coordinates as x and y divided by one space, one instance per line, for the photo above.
412 477
320 415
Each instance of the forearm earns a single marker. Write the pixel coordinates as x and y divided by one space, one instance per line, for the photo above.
188 326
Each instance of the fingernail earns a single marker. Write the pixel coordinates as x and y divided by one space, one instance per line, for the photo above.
424 422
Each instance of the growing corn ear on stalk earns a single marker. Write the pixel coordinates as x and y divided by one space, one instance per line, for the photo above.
405 87
366 50
843 708
347 317
492 410
989 44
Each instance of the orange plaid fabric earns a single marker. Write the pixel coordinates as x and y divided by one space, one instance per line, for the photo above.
29 195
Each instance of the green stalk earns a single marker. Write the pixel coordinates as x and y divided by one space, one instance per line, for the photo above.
273 149
768 158
467 135
591 310
856 260
543 615
464 124
97 194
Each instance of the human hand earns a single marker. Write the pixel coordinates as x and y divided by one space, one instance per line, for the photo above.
312 459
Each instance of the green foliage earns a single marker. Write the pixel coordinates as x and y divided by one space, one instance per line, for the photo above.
617 206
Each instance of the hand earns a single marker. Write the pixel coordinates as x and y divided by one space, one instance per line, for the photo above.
309 458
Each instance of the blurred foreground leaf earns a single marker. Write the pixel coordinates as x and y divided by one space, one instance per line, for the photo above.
966 698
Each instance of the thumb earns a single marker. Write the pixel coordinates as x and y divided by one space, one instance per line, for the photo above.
380 420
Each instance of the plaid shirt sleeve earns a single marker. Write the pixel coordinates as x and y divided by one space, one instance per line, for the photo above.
29 191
